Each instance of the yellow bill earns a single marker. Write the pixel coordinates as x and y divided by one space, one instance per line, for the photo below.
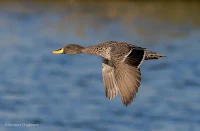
61 51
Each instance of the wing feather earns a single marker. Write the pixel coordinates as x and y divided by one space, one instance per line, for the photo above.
128 81
110 86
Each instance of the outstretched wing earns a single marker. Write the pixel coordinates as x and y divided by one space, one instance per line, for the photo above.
110 86
128 80
127 73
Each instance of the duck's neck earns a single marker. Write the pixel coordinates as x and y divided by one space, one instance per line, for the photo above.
90 50
98 51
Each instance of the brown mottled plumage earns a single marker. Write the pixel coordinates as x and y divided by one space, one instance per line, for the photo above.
120 66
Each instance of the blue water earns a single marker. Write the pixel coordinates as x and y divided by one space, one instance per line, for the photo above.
62 92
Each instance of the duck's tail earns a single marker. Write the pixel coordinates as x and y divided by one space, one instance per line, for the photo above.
152 55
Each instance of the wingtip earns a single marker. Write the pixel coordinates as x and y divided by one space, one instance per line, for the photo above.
126 104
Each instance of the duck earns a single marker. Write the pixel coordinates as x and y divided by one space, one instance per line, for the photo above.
120 66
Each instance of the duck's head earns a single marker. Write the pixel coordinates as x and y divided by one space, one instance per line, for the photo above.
69 49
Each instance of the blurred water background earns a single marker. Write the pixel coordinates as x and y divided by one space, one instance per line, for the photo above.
61 92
